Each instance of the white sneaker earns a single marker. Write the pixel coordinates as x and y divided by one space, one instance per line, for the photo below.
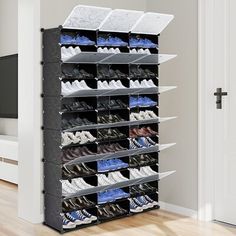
113 85
68 188
133 51
141 51
81 184
144 84
117 50
132 117
148 169
150 83
112 50
139 116
137 84
83 138
76 86
100 50
151 114
71 51
100 85
120 84
134 174
84 85
145 172
147 51
132 84
105 50
65 139
77 50
90 137
64 53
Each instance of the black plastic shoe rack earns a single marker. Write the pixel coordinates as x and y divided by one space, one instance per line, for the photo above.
54 115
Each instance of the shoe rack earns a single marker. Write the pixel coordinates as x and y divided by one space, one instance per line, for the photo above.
56 117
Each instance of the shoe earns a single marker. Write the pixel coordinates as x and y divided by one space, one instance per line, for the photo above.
67 224
116 42
68 188
82 40
134 207
81 184
90 216
148 43
67 39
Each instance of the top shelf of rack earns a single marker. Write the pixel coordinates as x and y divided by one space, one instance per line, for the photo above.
118 20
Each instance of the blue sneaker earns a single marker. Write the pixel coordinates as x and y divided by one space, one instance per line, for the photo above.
143 142
146 102
67 39
101 41
67 224
104 197
103 166
133 102
136 42
119 193
82 40
74 218
149 44
117 42
121 164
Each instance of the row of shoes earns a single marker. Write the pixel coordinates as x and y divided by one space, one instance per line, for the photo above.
76 73
143 115
142 84
70 154
142 172
111 118
142 203
111 165
82 137
73 219
111 41
142 132
111 104
77 106
74 186
142 160
110 211
140 101
68 88
142 143
111 195
76 40
111 178
66 53
142 189
78 170
108 73
137 72
139 42
110 84
110 134
110 148
140 51
74 122
77 203
110 50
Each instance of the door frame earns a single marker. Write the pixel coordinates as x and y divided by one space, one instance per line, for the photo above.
207 29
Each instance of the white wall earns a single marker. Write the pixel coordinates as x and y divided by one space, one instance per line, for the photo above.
181 38
8 45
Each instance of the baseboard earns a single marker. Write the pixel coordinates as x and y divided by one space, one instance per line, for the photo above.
178 210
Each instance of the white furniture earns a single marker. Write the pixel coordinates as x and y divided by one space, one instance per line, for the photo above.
9 158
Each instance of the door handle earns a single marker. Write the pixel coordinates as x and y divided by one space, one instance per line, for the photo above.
219 94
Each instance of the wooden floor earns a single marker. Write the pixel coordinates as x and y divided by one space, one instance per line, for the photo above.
154 223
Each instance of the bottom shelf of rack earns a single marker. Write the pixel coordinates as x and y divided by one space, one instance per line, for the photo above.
100 221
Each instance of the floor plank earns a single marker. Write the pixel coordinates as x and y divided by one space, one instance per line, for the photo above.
153 223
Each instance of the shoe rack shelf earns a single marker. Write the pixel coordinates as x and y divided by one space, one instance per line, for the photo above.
60 118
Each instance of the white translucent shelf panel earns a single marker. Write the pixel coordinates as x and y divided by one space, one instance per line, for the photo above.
154 59
163 89
86 17
152 23
88 57
163 119
123 58
120 20
166 146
